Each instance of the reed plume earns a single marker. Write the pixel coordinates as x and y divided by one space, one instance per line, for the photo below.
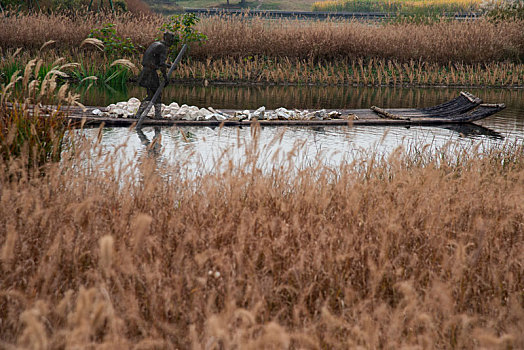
379 252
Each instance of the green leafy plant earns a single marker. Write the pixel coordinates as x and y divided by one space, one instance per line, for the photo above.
29 132
113 44
34 136
183 28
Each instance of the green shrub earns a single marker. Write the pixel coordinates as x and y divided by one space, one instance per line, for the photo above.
113 44
183 28
27 132
35 137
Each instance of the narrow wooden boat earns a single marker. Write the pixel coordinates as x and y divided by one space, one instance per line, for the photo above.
465 108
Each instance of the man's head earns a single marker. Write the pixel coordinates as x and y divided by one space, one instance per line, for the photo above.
169 38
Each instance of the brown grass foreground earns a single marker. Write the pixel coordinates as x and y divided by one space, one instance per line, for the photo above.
421 251
443 42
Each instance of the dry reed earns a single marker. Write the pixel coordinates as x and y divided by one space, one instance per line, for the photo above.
415 250
468 42
476 53
264 70
380 72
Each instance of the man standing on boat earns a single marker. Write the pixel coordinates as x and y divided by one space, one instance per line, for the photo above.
154 59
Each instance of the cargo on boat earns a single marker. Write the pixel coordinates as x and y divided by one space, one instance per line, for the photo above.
465 108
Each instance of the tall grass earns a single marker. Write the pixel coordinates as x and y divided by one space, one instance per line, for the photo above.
359 72
33 138
477 53
421 249
90 64
29 132
282 70
29 31
441 42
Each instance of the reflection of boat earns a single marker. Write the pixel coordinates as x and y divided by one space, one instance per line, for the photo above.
472 130
465 108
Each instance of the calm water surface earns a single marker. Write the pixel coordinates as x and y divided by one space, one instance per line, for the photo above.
207 147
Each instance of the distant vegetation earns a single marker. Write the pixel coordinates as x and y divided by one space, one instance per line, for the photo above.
168 6
118 6
432 8
423 9
404 7
504 10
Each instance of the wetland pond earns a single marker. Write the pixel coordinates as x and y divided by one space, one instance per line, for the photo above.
205 148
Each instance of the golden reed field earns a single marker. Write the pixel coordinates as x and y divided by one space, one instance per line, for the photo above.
442 42
420 250
256 51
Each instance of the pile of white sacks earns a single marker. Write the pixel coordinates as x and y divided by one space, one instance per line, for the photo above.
175 112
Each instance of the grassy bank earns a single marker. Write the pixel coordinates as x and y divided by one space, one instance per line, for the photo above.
265 70
477 53
355 73
421 249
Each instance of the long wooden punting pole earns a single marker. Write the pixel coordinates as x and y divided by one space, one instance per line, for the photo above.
161 87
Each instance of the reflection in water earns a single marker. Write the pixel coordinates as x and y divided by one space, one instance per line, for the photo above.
473 130
303 97
154 146
206 148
